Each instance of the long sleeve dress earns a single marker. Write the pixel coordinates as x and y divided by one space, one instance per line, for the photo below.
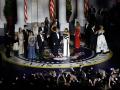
31 48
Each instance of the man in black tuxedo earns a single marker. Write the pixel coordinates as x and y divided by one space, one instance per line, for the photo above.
55 40
40 40
44 29
93 37
7 44
87 34
25 34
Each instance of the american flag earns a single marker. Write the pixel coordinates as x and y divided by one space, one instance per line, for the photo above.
25 10
86 7
52 9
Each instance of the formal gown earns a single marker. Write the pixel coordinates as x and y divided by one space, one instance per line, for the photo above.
77 38
31 48
66 47
21 43
101 43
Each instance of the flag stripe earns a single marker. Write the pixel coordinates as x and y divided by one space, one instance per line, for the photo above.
52 9
25 10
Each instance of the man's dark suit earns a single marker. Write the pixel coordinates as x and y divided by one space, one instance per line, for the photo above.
25 43
55 42
41 29
40 44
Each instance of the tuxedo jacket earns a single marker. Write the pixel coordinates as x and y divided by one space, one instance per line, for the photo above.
25 36
55 39
39 39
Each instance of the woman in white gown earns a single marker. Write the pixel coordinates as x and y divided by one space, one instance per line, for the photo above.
66 41
101 41
21 41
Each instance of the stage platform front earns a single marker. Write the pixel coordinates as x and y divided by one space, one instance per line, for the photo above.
85 57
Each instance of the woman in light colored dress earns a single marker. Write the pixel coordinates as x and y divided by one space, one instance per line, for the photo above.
101 42
21 41
15 45
66 41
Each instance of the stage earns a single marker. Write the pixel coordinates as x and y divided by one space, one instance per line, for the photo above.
85 57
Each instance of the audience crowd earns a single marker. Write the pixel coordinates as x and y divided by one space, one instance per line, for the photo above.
84 77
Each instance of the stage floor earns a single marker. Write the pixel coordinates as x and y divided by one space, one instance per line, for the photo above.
85 57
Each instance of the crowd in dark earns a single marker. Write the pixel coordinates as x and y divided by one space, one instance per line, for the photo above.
84 77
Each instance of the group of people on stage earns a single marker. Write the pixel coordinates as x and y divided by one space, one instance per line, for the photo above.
95 31
95 39
30 42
